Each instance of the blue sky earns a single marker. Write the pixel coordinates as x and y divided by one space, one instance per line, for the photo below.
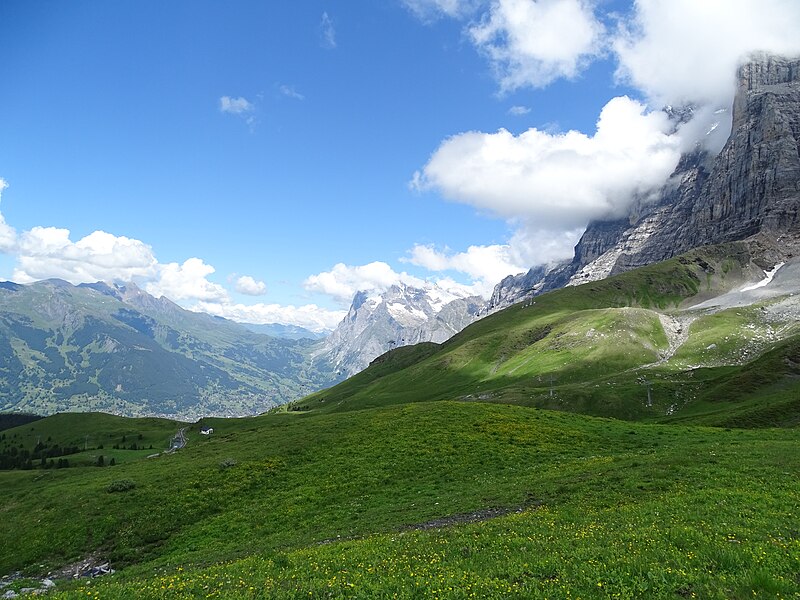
303 150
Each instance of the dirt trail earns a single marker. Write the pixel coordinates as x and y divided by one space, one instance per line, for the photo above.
478 516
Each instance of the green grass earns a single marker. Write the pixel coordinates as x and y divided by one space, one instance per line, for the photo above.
595 348
762 393
324 498
95 434
656 511
646 510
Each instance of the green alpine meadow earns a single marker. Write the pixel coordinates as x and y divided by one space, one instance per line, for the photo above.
400 300
520 459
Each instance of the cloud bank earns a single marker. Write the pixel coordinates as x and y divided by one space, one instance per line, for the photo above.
309 316
557 180
49 252
676 52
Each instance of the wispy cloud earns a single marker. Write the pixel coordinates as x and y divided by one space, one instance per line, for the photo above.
327 32
235 106
518 111
240 107
290 92
8 235
429 10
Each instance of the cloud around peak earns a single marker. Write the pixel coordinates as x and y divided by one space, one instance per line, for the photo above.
680 53
686 52
343 281
557 180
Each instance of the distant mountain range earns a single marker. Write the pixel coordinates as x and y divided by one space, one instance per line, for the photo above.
118 349
400 316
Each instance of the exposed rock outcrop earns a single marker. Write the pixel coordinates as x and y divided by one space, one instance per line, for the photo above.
749 191
400 316
754 183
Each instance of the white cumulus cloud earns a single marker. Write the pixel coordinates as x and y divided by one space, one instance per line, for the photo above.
485 265
531 43
557 180
48 252
250 287
187 281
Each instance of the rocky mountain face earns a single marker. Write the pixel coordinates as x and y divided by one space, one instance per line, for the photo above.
400 316
118 349
516 288
749 191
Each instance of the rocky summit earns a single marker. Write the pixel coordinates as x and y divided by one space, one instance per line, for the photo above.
749 191
400 316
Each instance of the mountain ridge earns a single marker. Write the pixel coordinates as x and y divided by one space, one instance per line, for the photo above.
399 316
749 191
674 325
117 348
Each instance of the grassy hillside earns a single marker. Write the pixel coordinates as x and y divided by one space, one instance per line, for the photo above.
601 349
375 502
82 438
117 349
431 474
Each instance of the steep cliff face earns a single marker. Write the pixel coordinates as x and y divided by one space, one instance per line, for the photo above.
515 288
750 189
755 185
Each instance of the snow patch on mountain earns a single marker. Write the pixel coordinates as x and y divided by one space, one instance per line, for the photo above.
400 316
